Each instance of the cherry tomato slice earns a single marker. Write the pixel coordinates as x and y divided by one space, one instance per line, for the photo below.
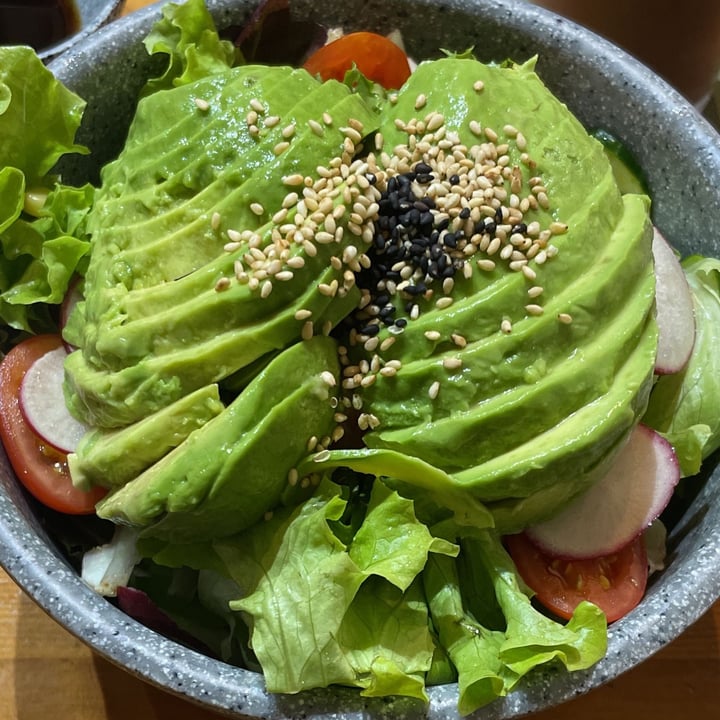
615 583
40 468
377 57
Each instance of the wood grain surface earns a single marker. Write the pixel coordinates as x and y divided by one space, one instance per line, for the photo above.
47 674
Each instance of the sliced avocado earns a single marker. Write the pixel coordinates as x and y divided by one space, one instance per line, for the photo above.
628 174
119 398
111 458
548 388
493 362
226 475
531 481
156 325
506 420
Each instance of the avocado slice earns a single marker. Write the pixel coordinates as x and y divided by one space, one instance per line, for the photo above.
534 410
226 475
156 324
111 458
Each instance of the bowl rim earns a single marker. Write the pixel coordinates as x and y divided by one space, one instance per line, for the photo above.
26 556
109 10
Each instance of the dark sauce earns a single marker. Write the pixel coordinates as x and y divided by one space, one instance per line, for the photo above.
38 23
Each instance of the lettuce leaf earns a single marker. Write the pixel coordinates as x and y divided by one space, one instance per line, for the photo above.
299 603
38 115
685 407
188 36
42 223
491 657
41 255
323 611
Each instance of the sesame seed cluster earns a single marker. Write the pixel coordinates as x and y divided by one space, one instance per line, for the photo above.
403 225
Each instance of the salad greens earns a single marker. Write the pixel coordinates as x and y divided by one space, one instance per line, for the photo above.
682 405
380 572
42 223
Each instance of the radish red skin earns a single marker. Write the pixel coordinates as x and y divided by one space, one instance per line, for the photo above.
619 507
675 313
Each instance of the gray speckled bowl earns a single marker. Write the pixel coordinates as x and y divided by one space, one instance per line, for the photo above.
93 15
681 156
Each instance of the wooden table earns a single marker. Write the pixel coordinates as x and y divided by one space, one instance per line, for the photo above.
47 673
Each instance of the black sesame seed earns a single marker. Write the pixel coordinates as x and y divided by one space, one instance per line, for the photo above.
370 330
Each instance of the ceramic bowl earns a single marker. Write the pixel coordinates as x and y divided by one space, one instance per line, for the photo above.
93 14
680 154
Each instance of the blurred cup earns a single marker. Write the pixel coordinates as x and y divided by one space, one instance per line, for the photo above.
680 41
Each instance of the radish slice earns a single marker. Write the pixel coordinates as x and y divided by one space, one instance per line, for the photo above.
43 404
675 313
617 508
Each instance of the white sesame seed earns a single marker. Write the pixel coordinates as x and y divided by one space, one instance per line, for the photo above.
296 262
528 272
328 378
316 127
257 208
257 106
506 326
222 284
432 335
215 220
478 86
281 147
303 314
284 275
534 309
307 330
202 105
433 390
452 363
535 291
293 181
271 121
565 318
